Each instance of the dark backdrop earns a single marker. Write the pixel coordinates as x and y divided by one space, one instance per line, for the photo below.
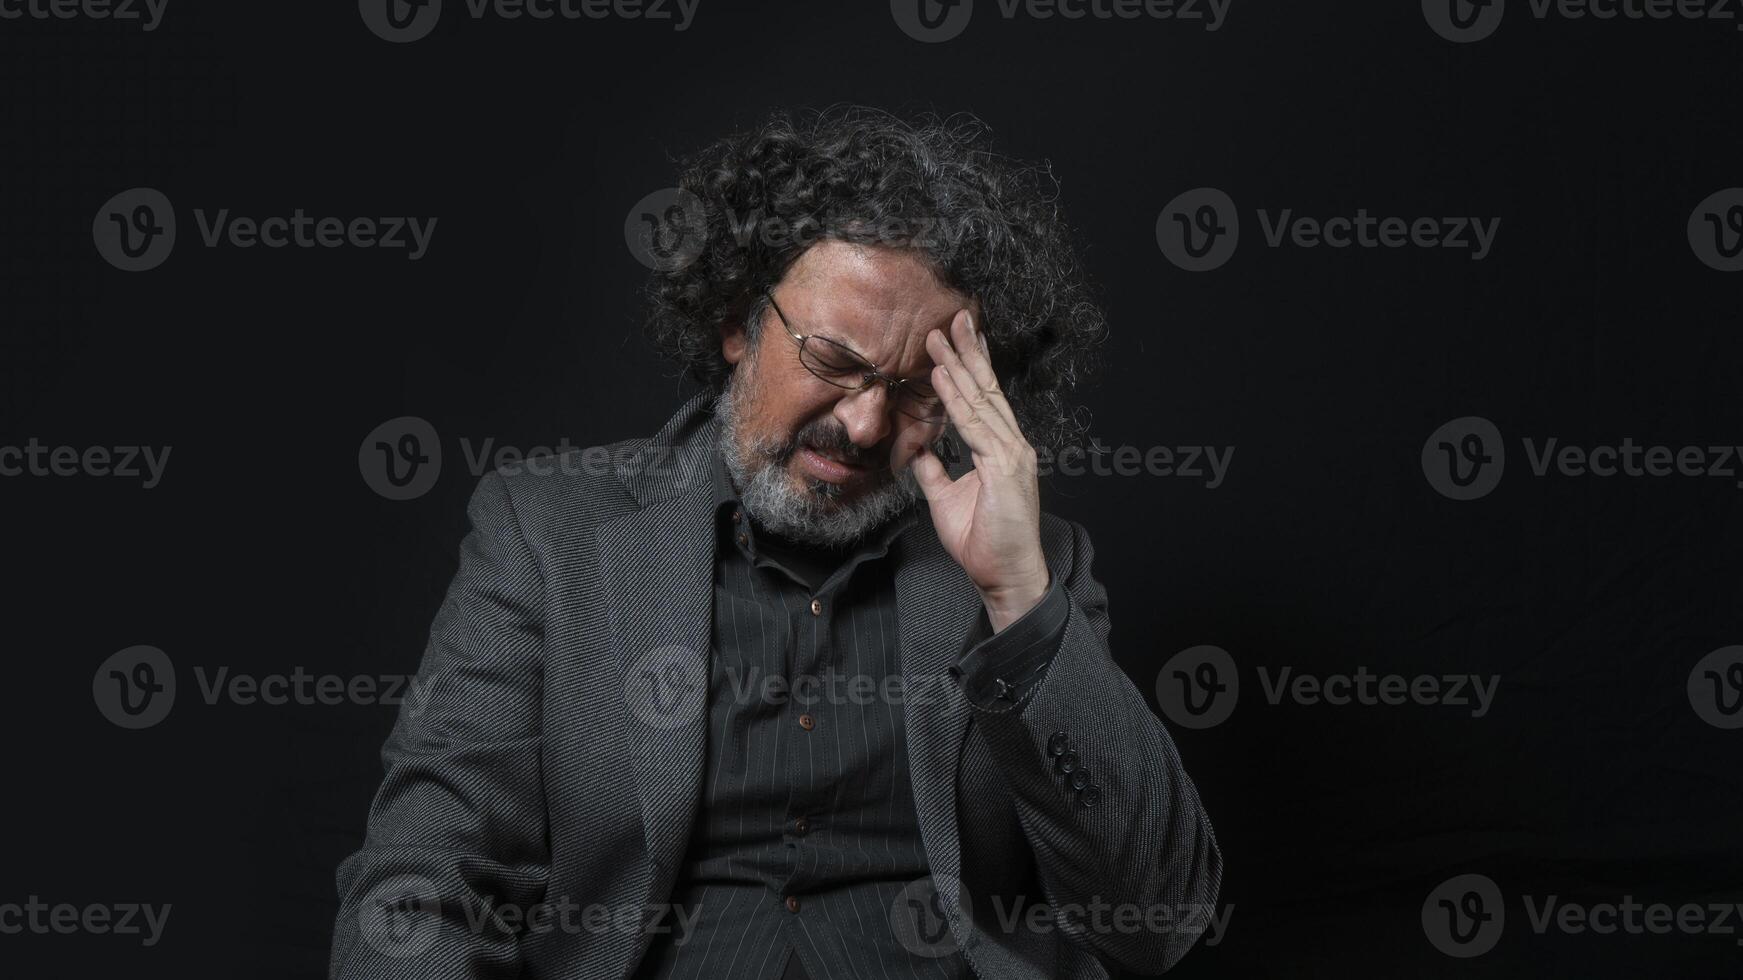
1595 316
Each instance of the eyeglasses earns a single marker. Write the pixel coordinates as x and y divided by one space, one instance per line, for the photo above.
838 364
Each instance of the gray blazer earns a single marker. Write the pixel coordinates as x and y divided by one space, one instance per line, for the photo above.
536 775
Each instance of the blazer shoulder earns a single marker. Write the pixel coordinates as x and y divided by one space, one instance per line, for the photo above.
562 493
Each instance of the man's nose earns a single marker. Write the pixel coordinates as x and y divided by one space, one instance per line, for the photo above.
865 414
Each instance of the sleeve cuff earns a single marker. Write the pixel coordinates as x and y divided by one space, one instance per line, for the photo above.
997 670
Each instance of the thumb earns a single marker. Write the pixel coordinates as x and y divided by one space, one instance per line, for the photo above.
929 471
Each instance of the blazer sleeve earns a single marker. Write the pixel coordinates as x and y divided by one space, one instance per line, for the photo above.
1104 802
458 827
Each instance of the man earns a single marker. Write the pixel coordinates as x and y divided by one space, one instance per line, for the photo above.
778 693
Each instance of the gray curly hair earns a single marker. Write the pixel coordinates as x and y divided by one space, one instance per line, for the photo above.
988 227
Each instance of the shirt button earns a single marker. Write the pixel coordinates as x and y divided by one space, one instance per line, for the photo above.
816 607
792 903
800 826
743 538
737 516
807 722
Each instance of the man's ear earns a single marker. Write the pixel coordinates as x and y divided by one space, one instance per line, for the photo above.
733 342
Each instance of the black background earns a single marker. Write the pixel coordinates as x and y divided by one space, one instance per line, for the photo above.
1326 549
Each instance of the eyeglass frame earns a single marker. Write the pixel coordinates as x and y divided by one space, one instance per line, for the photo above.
872 374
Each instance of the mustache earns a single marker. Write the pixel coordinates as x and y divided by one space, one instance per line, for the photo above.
827 436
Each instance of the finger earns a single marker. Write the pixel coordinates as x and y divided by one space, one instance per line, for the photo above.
970 345
987 445
978 404
933 478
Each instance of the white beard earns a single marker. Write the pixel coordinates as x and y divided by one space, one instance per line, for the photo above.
817 514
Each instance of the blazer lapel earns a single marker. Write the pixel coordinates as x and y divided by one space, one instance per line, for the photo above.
657 568
937 607
657 571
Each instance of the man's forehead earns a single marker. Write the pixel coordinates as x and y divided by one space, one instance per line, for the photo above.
874 297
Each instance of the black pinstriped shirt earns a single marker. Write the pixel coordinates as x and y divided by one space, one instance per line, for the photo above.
807 833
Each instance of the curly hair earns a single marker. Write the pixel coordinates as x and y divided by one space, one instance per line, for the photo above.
986 225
